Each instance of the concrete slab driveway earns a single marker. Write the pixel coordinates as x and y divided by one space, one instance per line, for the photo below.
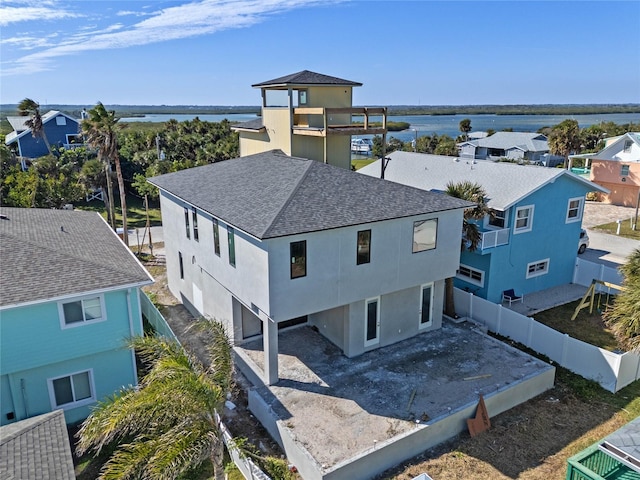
604 248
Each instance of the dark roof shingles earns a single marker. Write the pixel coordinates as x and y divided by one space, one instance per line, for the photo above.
51 253
271 195
305 77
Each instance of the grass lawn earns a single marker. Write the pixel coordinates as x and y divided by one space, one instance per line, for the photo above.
588 327
362 162
136 214
625 229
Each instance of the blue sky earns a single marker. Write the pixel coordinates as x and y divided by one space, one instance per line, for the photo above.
210 52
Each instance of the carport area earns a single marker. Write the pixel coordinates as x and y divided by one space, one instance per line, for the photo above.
346 418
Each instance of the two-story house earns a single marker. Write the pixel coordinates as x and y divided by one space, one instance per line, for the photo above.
530 242
268 241
617 168
61 130
520 146
69 298
310 115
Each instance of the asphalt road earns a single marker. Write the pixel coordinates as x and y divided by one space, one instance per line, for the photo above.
610 250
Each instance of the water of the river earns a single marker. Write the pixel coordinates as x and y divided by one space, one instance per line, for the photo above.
440 124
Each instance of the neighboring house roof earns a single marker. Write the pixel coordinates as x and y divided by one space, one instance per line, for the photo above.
626 444
36 448
47 254
614 148
505 183
306 78
271 195
255 124
20 129
527 142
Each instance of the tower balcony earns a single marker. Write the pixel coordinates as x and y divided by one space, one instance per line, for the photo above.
324 122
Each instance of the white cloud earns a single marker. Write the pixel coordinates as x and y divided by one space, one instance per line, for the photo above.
183 21
126 13
9 15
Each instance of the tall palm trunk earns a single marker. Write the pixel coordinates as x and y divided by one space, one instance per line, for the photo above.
217 457
109 202
123 200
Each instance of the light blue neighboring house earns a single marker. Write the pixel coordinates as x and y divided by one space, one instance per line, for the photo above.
69 298
61 131
531 243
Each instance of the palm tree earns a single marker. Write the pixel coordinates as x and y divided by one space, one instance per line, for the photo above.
564 138
465 127
624 316
167 425
99 130
471 236
31 108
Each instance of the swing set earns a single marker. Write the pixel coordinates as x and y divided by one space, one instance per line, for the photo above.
588 299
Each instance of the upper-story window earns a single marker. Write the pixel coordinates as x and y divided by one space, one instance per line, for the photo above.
627 145
498 218
363 254
181 265
72 390
524 219
574 210
424 235
194 215
298 252
186 222
60 120
81 311
302 97
624 170
216 237
232 246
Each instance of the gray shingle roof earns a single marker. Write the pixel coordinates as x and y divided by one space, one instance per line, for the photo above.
505 183
627 440
46 254
271 194
305 77
36 448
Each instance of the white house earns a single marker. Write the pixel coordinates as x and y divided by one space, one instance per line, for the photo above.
532 147
269 241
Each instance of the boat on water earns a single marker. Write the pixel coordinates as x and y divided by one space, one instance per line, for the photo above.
361 145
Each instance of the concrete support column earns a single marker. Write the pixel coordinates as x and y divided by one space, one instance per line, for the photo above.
270 344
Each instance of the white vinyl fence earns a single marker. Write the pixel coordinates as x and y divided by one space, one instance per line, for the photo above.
611 370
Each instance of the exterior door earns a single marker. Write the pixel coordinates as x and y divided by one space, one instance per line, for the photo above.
426 305
372 322
197 299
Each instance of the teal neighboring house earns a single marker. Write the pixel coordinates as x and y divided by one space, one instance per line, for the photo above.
69 297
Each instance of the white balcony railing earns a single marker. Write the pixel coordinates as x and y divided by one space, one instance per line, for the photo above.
494 238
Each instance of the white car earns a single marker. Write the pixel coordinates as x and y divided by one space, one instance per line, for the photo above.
583 243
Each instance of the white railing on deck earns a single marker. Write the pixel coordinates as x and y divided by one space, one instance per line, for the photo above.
494 238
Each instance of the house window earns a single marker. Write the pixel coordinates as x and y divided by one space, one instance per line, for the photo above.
524 219
627 145
181 265
574 210
497 218
232 246
470 275
536 269
363 254
426 305
72 390
424 235
372 321
81 312
302 97
216 237
298 258
624 170
60 120
194 215
186 221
